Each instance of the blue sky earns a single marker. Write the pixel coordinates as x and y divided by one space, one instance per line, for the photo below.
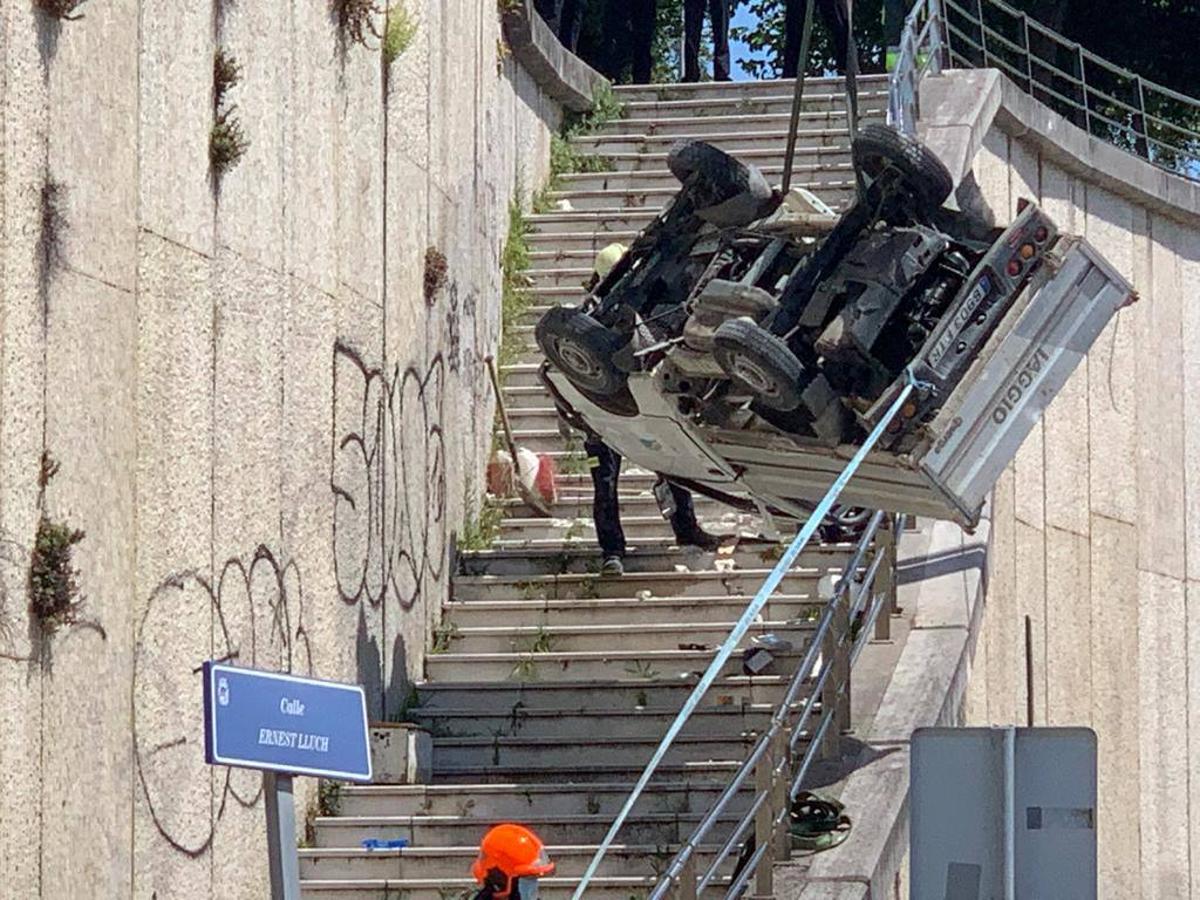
738 50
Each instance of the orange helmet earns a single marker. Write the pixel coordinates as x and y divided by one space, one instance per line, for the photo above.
510 851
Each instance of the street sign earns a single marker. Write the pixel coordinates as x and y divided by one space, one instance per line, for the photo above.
283 723
1003 812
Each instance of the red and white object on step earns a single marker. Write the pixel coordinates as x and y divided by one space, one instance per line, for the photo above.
537 475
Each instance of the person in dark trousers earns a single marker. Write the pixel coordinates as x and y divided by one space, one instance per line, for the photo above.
629 27
693 26
834 14
605 465
565 18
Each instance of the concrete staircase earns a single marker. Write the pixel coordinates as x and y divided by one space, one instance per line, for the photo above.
549 687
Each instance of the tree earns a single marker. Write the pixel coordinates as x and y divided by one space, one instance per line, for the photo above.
767 36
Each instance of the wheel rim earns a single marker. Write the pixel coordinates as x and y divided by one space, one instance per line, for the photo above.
750 373
578 361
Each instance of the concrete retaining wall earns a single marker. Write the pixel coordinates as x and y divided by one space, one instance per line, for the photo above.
265 430
1095 529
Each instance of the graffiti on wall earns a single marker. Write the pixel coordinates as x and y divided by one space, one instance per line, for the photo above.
388 479
252 613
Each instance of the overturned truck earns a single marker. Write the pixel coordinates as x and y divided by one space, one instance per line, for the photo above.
748 341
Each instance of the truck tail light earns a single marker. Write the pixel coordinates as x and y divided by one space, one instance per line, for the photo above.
1014 267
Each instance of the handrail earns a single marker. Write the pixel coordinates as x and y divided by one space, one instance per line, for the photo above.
1114 104
740 629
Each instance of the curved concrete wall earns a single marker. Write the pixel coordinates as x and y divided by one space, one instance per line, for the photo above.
264 428
1095 529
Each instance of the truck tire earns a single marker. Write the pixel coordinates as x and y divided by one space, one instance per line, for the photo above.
759 362
729 193
582 349
922 175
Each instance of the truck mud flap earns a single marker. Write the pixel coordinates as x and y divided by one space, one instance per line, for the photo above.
1000 404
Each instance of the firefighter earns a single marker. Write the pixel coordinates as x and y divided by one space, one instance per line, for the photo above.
511 860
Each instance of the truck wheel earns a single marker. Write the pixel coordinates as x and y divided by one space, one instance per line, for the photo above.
582 349
759 362
922 175
730 194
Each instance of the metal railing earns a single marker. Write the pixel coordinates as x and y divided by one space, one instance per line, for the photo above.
832 664
921 51
1109 102
775 765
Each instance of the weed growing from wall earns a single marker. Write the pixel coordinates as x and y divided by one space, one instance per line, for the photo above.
61 9
480 532
514 298
227 141
436 269
398 32
356 20
54 593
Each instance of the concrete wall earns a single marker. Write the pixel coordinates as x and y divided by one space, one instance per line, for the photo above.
1095 529
264 429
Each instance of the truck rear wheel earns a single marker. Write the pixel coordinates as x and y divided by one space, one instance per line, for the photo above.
759 362
922 176
582 349
730 194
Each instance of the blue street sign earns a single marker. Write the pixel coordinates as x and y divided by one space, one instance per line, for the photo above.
283 723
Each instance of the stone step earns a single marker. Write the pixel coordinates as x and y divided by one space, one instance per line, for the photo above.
618 695
610 664
720 122
615 611
629 636
336 863
712 773
837 192
803 175
713 90
583 586
428 831
501 802
586 240
634 504
745 103
771 137
578 527
607 887
768 155
581 555
640 722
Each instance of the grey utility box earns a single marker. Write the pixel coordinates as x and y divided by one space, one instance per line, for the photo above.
1003 814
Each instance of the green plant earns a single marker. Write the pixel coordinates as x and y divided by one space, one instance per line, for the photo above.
329 798
412 701
543 641
514 291
61 9
356 19
54 594
227 72
509 5
641 668
400 27
481 531
443 635
524 670
227 142
436 268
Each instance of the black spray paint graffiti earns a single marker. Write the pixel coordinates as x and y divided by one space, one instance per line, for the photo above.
389 479
253 614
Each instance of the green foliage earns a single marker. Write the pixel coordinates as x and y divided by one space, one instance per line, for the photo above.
227 72
765 39
61 9
227 142
443 635
514 298
329 798
480 532
543 641
398 32
54 595
356 20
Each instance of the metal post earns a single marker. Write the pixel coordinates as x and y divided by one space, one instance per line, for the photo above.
764 824
781 798
281 836
1142 128
1087 104
1010 799
686 886
939 42
1028 54
885 578
982 32
1028 671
